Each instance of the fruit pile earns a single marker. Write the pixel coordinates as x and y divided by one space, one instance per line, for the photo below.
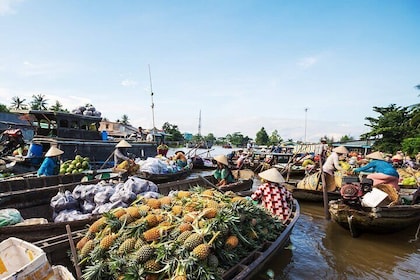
75 166
409 176
195 234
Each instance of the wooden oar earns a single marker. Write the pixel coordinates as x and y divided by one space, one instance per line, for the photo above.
210 184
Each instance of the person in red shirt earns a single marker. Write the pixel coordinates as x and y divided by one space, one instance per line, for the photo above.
273 195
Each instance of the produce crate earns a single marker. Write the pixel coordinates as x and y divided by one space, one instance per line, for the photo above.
21 260
62 273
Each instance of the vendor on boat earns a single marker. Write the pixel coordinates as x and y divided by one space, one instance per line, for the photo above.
332 164
382 172
120 153
273 195
180 159
162 149
51 165
222 173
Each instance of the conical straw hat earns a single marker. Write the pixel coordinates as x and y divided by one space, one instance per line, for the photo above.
222 159
341 150
123 144
376 155
53 151
272 175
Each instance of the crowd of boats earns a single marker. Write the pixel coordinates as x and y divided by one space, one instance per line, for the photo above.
31 196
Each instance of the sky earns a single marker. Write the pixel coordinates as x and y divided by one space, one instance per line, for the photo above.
305 68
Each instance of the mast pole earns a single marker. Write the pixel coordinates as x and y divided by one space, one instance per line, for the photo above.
199 124
153 104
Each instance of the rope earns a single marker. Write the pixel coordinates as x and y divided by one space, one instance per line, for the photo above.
416 236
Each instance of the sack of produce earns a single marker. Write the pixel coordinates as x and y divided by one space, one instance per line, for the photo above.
139 185
102 196
87 206
70 215
9 217
108 206
64 200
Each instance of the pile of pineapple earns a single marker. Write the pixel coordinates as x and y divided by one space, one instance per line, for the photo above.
194 234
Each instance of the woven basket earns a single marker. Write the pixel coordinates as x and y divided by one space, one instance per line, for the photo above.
393 195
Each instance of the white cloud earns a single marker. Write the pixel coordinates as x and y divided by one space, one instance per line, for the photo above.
7 7
128 83
31 69
307 62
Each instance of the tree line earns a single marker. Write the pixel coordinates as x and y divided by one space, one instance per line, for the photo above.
395 128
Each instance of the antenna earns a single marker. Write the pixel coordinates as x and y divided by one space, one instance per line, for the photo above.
153 104
199 124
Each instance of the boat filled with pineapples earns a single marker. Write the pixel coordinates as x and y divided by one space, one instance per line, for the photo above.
189 234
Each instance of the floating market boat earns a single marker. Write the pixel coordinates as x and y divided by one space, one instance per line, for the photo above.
310 195
384 219
164 177
75 134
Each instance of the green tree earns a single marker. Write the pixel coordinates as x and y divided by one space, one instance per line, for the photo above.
275 138
3 108
262 137
210 137
389 128
236 139
346 138
175 134
57 107
18 104
125 120
39 102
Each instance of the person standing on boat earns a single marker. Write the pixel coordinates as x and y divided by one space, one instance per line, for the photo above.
162 149
222 173
382 172
332 164
273 195
120 153
51 165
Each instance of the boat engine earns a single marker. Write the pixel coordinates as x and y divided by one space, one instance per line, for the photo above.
11 139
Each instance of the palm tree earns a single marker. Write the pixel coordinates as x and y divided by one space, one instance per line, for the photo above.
124 119
39 102
18 103
57 107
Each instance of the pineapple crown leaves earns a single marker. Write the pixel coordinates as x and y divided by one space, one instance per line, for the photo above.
96 271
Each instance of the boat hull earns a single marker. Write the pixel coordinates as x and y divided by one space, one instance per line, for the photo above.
310 195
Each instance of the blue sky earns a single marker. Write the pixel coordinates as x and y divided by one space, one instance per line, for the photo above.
245 64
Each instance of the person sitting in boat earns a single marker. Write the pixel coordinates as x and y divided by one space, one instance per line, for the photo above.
222 173
241 160
120 153
333 164
51 165
382 172
273 195
180 159
162 149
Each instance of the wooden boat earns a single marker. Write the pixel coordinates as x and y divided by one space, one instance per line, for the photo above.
75 134
384 219
310 195
164 177
249 266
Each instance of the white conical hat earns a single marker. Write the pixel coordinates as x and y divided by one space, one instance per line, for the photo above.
376 155
222 159
123 144
341 150
53 151
272 175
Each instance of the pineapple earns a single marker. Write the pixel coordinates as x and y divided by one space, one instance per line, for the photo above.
87 248
231 242
213 261
165 200
193 241
212 204
151 265
134 212
107 241
139 242
127 246
126 218
119 212
153 203
151 220
201 251
207 192
209 213
177 210
144 253
97 225
152 234
183 236
183 194
144 210
185 226
81 243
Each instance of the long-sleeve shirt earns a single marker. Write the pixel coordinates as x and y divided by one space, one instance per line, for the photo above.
378 166
274 198
331 164
119 157
48 167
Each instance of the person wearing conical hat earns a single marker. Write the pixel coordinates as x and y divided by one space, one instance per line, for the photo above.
223 174
382 172
332 164
273 195
120 152
50 165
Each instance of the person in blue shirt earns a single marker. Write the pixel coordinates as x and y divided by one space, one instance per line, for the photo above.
223 174
381 171
50 166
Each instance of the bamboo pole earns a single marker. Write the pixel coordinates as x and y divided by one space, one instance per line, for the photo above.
74 253
324 191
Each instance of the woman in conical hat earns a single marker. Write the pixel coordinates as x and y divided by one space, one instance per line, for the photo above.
273 195
50 165
332 164
382 172
223 174
120 153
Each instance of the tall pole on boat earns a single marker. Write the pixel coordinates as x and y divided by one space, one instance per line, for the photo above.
306 113
153 104
199 124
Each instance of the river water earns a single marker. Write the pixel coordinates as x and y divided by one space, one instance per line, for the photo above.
321 249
